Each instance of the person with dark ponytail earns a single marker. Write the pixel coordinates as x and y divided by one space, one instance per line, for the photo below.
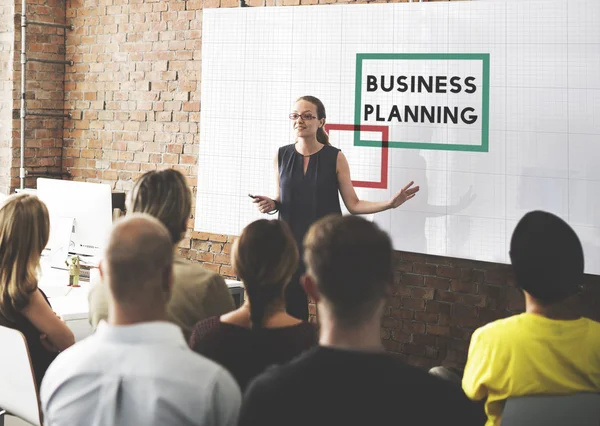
260 333
311 174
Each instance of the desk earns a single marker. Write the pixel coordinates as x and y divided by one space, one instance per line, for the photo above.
72 303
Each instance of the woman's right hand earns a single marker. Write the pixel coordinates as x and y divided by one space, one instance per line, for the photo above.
264 204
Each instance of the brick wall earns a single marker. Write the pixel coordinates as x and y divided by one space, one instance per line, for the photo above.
44 92
440 301
7 12
134 93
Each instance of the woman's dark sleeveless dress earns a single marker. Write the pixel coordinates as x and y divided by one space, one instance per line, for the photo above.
305 198
40 357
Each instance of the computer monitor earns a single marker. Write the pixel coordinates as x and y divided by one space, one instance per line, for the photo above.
87 206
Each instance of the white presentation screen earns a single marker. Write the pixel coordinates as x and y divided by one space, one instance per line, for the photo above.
493 108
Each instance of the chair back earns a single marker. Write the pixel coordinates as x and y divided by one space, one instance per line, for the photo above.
18 390
580 409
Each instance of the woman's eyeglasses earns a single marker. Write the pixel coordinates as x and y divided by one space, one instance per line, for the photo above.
307 116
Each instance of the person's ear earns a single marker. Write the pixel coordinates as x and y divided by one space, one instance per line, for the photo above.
310 287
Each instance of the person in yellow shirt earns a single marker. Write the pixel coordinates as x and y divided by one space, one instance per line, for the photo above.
548 349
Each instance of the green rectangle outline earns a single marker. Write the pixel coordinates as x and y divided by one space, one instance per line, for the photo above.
485 101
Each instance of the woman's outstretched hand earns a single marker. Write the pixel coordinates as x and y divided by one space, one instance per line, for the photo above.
405 194
264 204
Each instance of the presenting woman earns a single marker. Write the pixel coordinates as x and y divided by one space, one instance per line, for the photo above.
310 173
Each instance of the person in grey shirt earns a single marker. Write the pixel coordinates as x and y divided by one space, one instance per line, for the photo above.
197 292
137 369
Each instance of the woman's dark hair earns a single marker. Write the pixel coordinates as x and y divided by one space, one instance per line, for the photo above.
265 257
322 136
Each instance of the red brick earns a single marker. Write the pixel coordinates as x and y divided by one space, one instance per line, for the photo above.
200 245
211 267
439 283
448 272
200 235
424 339
413 304
436 307
463 287
413 327
385 334
473 300
412 280
205 257
424 269
402 291
446 296
222 259
401 314
492 291
422 293
414 257
216 248
403 266
477 276
391 323
438 330
220 238
427 317
400 336
496 276
391 346
462 311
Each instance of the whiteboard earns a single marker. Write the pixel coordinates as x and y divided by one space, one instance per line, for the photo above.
521 133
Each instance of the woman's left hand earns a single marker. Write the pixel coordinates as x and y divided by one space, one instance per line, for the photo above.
404 195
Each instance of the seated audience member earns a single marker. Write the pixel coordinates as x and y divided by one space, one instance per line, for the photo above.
349 379
260 333
137 368
197 292
548 349
24 232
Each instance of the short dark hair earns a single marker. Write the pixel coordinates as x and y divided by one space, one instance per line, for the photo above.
350 259
165 195
547 257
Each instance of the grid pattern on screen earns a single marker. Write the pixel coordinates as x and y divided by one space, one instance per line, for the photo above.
544 115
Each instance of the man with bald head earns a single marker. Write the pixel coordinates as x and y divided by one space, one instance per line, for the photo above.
137 368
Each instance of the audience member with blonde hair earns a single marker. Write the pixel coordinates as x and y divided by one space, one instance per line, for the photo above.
24 232
260 333
197 292
137 368
349 379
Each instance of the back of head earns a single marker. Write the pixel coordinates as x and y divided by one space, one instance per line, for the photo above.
165 195
138 261
547 257
265 257
24 232
350 259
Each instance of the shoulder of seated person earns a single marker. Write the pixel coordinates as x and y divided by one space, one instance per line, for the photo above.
500 326
184 266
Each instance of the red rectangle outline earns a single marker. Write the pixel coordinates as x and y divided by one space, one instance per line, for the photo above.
382 184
